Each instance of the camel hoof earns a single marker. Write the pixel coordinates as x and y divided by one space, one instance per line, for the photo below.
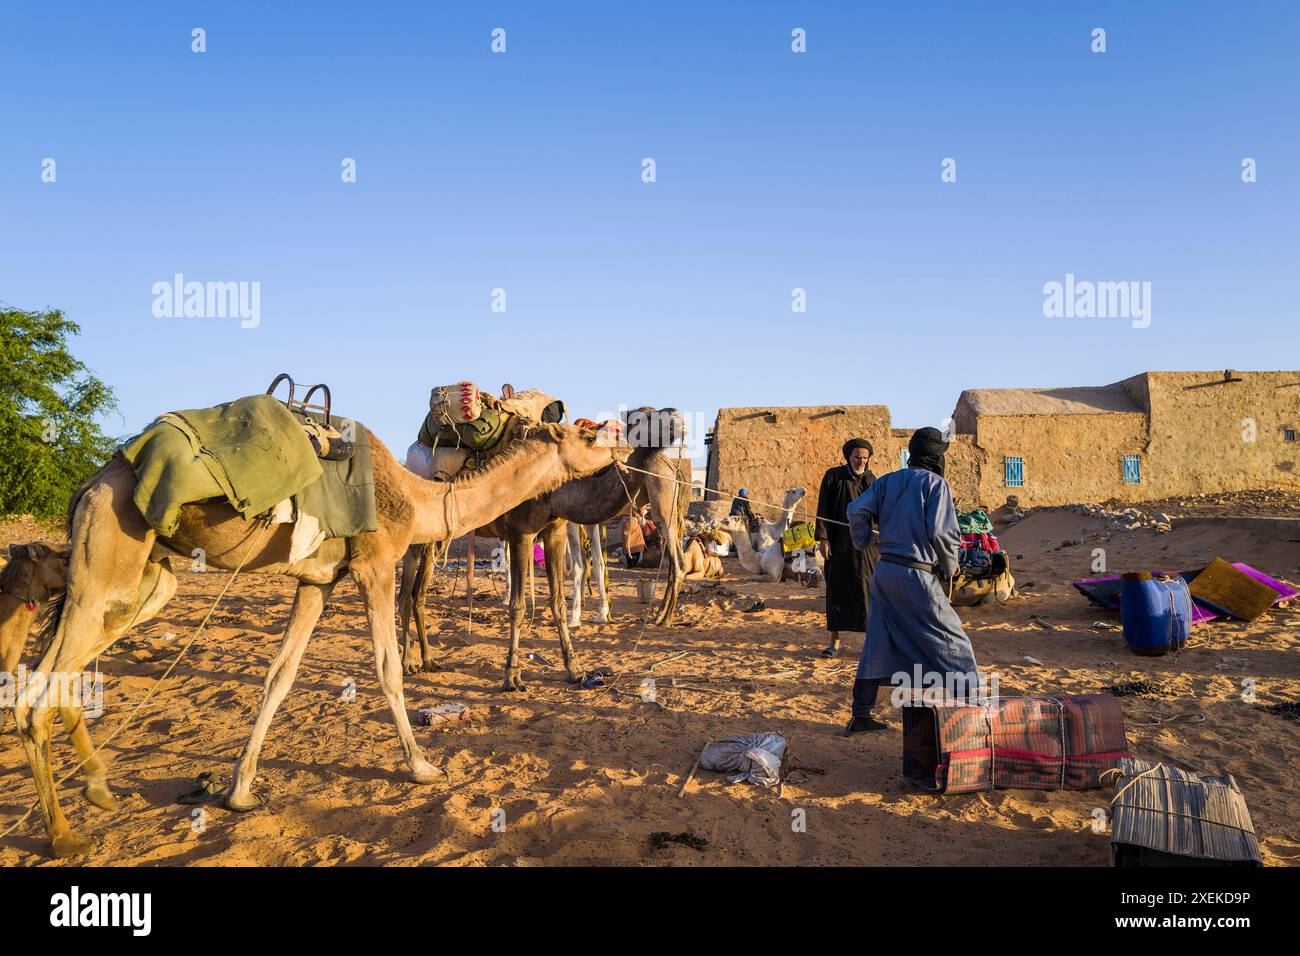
98 794
427 773
71 845
514 681
574 677
430 667
241 802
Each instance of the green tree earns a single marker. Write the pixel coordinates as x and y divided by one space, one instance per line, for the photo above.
50 441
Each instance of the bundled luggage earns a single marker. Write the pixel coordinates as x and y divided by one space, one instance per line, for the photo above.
1037 743
1163 816
798 537
984 570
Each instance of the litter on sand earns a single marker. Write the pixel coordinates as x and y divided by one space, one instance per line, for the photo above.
595 678
442 714
207 788
754 758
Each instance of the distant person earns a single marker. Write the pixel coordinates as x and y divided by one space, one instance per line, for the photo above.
848 570
636 528
911 621
740 506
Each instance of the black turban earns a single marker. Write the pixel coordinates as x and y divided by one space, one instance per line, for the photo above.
926 449
853 443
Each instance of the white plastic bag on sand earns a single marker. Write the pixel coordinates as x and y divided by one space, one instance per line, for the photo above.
752 757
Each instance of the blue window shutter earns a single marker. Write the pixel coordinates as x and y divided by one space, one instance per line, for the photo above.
906 456
1132 469
1014 472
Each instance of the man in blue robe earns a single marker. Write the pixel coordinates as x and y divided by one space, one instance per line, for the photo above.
910 621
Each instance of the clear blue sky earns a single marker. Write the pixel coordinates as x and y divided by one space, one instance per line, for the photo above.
775 170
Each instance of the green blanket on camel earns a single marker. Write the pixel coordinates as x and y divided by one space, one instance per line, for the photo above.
254 453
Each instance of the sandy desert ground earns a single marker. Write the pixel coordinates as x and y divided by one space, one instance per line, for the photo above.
586 776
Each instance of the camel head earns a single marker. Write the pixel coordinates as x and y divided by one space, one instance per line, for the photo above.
716 540
582 451
35 573
648 427
733 525
793 496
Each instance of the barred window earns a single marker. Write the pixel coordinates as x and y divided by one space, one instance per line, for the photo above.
1014 470
1132 469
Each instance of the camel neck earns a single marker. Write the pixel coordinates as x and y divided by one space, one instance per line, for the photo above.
449 509
15 622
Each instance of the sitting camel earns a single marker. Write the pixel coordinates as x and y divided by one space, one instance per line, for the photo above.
118 577
649 475
769 564
704 553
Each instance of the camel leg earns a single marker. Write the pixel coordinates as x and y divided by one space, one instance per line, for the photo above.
405 602
554 539
521 559
110 549
578 567
157 587
505 558
308 603
424 571
377 590
597 534
676 571
417 569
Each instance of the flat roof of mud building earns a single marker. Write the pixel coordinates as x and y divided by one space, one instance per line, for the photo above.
1082 400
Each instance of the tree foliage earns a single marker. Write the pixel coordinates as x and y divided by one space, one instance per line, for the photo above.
50 403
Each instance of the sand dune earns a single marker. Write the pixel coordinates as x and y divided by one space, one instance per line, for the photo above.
584 777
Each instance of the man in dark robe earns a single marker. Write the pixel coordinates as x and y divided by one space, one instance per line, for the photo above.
848 570
911 626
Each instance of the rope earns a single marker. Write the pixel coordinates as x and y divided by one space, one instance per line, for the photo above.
755 501
1168 812
158 683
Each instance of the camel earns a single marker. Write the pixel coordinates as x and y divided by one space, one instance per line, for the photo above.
117 578
770 531
657 490
702 557
769 564
34 575
588 501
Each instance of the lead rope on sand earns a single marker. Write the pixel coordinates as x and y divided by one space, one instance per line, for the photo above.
158 683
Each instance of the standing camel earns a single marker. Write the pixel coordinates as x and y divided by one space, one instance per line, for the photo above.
582 501
116 579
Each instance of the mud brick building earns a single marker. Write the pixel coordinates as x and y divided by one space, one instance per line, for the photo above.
1154 435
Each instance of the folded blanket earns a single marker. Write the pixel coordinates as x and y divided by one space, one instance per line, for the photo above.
252 451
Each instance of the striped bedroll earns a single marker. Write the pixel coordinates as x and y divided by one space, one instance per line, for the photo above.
1036 743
